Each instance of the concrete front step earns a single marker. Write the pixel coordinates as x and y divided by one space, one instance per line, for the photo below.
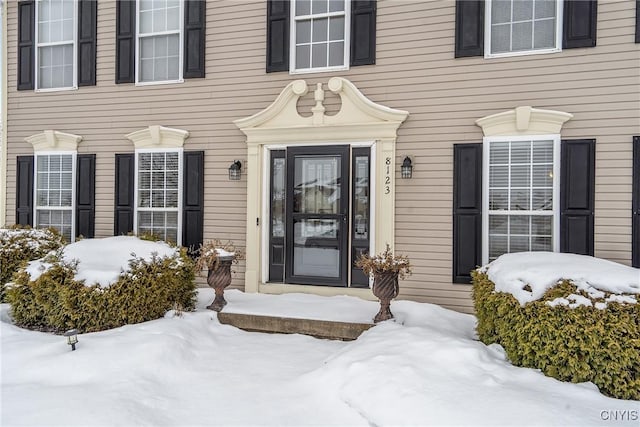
345 331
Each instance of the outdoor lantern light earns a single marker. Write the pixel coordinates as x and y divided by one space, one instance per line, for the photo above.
407 169
234 170
72 338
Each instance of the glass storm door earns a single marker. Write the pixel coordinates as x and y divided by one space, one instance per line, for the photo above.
317 215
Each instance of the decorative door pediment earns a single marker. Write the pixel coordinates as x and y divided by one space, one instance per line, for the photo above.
359 118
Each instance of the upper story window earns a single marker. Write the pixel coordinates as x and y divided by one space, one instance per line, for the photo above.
521 188
56 44
54 192
159 41
320 35
517 27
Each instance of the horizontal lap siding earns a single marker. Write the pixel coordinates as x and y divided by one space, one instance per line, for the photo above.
415 71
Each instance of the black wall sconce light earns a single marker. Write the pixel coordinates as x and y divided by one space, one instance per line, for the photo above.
235 170
406 168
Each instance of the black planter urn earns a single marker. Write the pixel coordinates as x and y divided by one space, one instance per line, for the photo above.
219 279
385 288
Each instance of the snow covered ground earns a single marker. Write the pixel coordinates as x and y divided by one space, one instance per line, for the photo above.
426 368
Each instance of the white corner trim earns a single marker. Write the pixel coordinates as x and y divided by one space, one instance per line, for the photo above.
524 121
52 140
357 111
158 137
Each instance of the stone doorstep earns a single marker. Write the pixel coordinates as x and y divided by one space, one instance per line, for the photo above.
326 329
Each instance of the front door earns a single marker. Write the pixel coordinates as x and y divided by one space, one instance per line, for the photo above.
317 215
316 228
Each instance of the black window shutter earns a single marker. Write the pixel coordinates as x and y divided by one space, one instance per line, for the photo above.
87 35
363 32
277 35
125 41
579 29
577 195
467 210
194 38
26 44
24 190
193 203
86 195
635 218
123 218
469 28
637 21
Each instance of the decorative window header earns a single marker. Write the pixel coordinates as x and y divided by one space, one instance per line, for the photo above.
524 121
52 140
158 137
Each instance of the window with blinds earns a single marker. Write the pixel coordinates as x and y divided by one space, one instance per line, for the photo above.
158 194
521 196
54 192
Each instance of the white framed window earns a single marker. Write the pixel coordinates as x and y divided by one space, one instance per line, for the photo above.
159 50
158 193
520 27
55 175
56 47
319 35
521 187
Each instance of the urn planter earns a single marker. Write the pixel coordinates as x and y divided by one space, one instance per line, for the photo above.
217 257
385 268
219 278
385 288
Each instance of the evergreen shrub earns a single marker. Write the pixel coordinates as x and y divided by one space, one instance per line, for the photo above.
577 344
19 245
56 302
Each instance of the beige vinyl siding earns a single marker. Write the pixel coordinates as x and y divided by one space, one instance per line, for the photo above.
415 71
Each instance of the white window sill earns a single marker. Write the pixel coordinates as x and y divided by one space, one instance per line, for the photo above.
162 82
318 70
521 53
56 89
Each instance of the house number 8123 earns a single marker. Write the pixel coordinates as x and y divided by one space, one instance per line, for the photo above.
387 176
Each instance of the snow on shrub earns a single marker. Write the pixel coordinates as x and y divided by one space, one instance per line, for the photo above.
98 284
574 317
18 245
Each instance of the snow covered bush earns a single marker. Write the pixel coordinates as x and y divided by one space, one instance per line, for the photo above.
576 318
18 245
98 284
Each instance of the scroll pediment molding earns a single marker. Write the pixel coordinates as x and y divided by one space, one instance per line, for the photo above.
358 116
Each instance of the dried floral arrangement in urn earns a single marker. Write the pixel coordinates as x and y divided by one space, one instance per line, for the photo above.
217 257
385 268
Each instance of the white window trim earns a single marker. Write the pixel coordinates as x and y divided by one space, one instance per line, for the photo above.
75 51
292 39
555 232
487 35
137 209
74 166
180 32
